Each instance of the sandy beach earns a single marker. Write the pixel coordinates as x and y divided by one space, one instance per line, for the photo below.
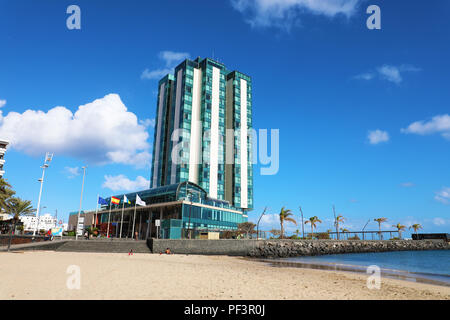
43 275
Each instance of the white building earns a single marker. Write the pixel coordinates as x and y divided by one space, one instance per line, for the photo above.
4 216
46 221
3 145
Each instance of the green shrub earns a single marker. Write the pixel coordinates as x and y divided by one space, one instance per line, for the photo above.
323 235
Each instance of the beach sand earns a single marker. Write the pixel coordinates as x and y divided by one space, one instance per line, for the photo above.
43 275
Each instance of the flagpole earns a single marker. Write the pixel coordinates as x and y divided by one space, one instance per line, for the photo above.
134 218
121 219
109 216
96 211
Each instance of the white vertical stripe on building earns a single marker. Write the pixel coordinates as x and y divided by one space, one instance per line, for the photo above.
195 143
214 146
244 155
173 173
158 134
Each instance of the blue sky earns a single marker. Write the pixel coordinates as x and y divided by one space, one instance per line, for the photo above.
363 114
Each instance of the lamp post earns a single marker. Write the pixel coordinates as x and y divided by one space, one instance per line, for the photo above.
81 199
48 159
365 228
257 225
39 220
189 194
303 225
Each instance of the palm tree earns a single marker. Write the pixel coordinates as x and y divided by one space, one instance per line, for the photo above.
5 194
275 232
380 221
339 218
285 215
344 230
416 227
18 207
313 221
400 228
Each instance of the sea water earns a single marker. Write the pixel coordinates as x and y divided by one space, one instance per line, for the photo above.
432 265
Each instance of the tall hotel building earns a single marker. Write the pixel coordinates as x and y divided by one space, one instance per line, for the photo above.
203 121
201 179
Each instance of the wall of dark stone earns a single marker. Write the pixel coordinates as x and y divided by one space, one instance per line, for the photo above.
289 248
18 239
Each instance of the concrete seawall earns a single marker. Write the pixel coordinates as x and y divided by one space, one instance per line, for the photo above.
289 248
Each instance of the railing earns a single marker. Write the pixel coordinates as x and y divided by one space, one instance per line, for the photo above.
365 235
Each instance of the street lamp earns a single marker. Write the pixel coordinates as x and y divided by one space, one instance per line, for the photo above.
189 194
48 159
81 199
257 225
38 220
365 227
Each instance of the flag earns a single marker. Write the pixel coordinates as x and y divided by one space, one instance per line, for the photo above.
139 201
102 201
125 200
115 200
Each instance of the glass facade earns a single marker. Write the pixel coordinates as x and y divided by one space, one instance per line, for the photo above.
220 110
184 206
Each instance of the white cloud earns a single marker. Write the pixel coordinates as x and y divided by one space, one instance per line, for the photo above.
366 76
407 184
378 136
270 220
122 183
438 124
443 195
170 59
73 172
148 122
2 103
388 72
284 14
439 222
155 74
100 132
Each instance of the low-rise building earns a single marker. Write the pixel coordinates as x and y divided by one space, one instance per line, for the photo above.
46 221
88 216
3 146
4 216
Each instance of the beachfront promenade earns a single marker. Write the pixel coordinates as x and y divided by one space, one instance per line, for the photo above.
248 248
